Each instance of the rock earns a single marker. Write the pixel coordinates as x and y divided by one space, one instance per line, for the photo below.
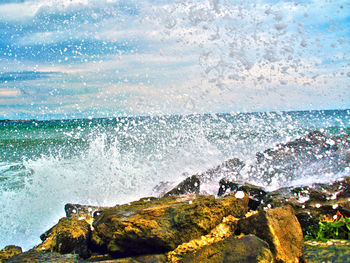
70 235
313 203
221 232
154 226
41 256
162 188
255 193
8 252
191 185
82 211
280 229
248 249
282 197
314 141
312 154
308 223
311 196
228 169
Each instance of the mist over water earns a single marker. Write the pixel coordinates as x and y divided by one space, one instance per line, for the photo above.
97 58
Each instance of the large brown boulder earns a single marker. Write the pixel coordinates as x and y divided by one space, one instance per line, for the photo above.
225 229
152 225
8 252
70 235
247 249
280 228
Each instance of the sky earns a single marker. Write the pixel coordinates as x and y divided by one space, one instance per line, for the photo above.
105 58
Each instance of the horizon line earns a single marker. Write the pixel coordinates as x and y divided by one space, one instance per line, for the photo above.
169 115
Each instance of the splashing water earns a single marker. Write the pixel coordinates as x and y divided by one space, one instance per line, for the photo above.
110 161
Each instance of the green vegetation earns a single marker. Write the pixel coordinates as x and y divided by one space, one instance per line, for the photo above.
327 229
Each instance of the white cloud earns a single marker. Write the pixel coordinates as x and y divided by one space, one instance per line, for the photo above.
28 9
200 56
4 92
19 11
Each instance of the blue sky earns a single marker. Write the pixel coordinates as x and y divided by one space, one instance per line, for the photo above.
80 58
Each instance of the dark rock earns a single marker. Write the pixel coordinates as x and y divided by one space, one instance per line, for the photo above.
313 203
41 256
283 196
280 229
255 193
248 249
191 185
77 210
228 169
155 226
162 187
318 195
8 252
312 154
70 235
293 149
308 223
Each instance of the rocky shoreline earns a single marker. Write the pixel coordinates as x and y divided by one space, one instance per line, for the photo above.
242 223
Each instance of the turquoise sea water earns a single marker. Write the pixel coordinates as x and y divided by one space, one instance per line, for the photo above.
46 164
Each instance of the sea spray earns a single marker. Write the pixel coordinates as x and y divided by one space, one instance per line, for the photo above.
115 166
111 161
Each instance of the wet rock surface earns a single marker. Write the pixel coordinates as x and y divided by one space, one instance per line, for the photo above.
191 185
228 169
313 195
312 154
249 249
225 229
9 252
191 227
313 203
70 235
255 193
159 225
81 211
280 229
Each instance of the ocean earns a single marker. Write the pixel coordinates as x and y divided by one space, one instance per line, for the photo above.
46 164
